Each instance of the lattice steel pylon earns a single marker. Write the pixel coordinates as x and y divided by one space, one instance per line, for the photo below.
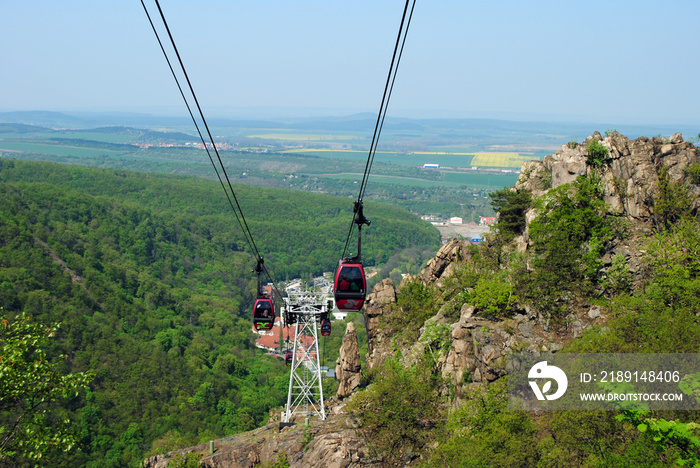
304 310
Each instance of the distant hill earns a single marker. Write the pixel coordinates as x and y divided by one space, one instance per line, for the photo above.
493 130
143 135
22 128
43 118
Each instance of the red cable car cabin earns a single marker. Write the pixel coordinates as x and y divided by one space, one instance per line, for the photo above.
263 314
288 357
325 327
349 287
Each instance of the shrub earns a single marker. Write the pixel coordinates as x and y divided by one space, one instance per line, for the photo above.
398 410
693 171
673 202
619 279
188 460
597 154
483 432
415 303
493 295
568 238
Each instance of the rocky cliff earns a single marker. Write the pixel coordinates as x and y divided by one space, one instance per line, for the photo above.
630 179
348 371
630 173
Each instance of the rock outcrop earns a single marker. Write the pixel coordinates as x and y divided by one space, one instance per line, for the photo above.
332 443
348 370
629 179
376 304
630 174
476 342
445 260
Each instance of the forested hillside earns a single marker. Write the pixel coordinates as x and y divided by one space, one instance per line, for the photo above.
596 251
151 281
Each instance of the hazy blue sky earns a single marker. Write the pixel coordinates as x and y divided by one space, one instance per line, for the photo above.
612 61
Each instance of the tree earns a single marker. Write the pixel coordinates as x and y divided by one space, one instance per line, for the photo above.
568 237
28 383
511 206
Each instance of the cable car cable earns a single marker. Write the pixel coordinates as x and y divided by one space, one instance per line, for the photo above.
206 126
240 217
386 96
391 89
194 120
388 87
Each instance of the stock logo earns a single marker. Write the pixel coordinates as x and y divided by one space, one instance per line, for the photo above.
542 371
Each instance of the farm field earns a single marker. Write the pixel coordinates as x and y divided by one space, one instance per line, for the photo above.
477 180
460 160
408 181
58 150
507 160
315 155
305 137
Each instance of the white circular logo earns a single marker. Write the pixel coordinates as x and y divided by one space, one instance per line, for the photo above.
542 371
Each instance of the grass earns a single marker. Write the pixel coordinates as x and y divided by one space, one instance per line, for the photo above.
389 180
481 179
462 160
444 152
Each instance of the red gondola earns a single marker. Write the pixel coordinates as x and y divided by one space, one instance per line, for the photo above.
325 327
349 286
288 357
350 283
264 309
263 314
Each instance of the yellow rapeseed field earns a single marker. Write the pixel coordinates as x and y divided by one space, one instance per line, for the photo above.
500 160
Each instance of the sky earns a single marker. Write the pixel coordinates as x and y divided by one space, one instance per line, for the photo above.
613 61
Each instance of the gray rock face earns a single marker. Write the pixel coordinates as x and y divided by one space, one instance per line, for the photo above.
348 368
444 261
630 175
377 346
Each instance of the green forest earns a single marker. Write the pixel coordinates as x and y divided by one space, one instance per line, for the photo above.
150 283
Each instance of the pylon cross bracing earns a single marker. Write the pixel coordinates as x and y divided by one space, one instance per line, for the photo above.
304 310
